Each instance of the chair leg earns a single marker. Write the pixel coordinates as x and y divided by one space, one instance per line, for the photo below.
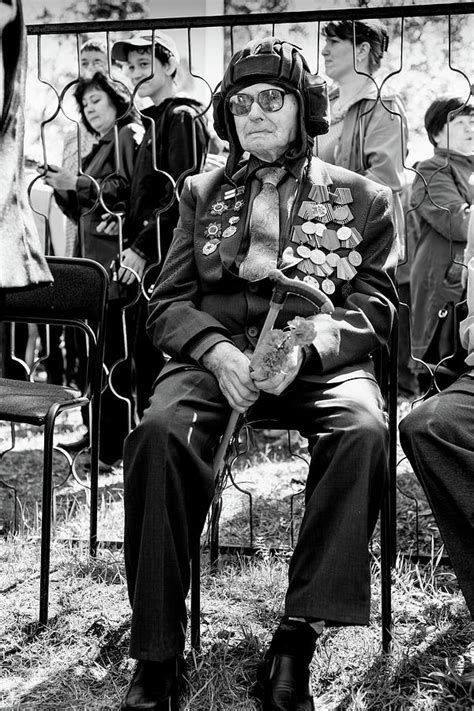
386 571
216 510
388 514
94 474
196 598
46 515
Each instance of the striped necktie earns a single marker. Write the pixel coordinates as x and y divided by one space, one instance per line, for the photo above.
264 227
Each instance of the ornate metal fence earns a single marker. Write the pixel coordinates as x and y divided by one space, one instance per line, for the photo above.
425 39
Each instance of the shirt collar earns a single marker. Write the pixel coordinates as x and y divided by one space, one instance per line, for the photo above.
294 167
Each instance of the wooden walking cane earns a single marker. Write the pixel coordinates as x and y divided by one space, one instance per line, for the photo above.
283 287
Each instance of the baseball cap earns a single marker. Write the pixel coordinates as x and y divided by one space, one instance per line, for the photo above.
121 48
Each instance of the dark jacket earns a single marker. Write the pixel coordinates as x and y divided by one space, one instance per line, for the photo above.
102 173
443 210
180 150
201 300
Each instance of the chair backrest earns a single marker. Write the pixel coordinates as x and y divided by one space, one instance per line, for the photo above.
77 297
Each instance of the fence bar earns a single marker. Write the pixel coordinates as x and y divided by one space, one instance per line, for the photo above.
259 18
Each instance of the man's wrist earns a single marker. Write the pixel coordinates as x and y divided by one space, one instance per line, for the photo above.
214 355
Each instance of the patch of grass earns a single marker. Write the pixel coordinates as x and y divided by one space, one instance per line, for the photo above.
80 660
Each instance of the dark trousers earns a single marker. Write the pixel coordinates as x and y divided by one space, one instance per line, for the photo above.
169 487
438 439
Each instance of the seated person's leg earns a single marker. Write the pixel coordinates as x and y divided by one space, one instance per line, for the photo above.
168 490
329 575
438 439
348 439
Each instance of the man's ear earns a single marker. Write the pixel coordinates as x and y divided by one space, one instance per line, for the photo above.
171 66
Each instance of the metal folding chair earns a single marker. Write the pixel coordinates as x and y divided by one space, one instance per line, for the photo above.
387 368
78 298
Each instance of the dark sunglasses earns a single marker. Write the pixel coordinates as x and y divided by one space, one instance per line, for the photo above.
269 100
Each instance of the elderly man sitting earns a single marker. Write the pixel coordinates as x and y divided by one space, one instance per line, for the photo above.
279 208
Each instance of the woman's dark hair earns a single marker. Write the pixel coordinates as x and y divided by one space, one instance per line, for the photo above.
443 110
118 95
371 31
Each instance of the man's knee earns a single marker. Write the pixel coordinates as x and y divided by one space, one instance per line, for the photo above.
415 424
366 424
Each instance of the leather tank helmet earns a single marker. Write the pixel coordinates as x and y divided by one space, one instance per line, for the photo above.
272 61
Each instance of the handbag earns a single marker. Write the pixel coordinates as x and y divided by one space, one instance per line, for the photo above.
445 347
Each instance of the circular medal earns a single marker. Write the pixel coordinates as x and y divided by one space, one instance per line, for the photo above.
332 259
218 208
311 280
212 229
341 212
317 256
344 233
304 251
234 219
319 210
319 229
328 286
309 228
210 247
229 231
355 258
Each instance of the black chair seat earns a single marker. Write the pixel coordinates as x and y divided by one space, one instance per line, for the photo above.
23 401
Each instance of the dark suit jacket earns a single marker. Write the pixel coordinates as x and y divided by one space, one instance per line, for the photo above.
200 299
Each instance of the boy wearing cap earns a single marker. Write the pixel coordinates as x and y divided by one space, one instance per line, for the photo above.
175 142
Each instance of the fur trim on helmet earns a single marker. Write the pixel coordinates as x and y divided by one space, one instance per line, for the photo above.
273 61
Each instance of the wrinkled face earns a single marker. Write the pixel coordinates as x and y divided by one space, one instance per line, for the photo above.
267 134
461 135
98 110
93 61
141 65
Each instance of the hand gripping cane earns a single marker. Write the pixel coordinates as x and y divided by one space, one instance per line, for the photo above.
283 287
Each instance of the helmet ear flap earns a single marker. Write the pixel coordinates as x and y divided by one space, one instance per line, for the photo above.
220 126
316 103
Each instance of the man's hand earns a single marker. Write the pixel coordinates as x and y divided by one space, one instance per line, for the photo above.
279 382
231 368
133 260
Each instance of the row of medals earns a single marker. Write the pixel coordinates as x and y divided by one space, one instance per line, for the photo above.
214 231
317 245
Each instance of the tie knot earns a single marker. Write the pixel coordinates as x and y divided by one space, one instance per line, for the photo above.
271 175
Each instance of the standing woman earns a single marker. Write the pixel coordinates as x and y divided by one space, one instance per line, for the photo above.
369 135
106 173
442 198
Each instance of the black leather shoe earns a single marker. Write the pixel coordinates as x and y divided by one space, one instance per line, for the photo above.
78 445
283 684
155 686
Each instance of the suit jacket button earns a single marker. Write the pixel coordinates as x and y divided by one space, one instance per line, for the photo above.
252 331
